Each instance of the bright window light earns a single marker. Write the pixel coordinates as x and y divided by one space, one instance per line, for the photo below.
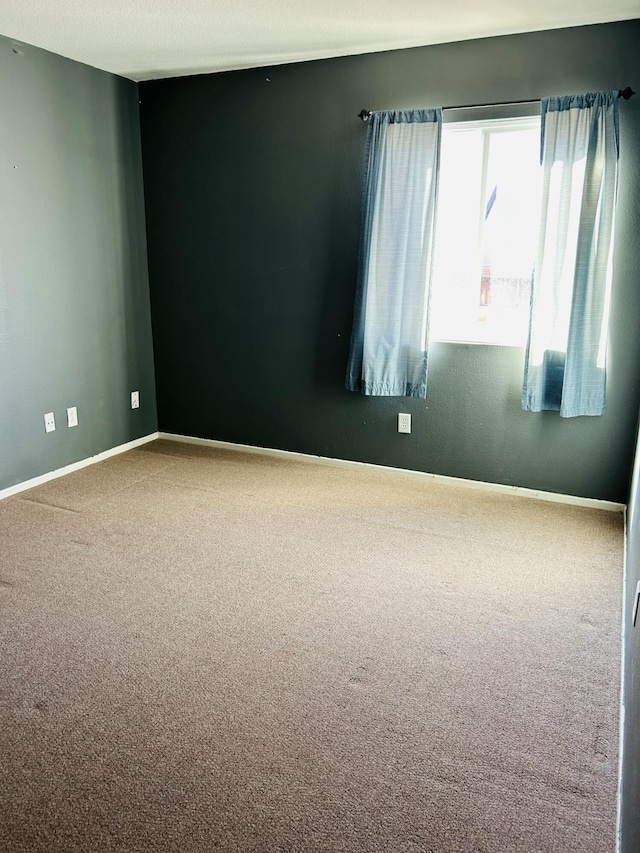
486 231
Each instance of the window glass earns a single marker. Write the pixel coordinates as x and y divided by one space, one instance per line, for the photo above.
486 231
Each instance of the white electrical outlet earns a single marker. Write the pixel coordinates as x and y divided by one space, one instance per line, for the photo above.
49 422
135 399
72 416
404 423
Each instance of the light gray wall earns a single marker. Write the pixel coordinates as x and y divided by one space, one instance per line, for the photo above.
630 805
75 325
253 183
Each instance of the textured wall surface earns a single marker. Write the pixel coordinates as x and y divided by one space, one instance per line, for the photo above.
75 327
253 183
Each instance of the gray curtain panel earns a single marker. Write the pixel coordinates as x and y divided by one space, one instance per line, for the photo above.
389 340
565 366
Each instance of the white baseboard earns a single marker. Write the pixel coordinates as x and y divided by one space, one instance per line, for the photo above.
498 488
76 466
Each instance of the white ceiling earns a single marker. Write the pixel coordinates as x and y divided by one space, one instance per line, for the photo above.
147 39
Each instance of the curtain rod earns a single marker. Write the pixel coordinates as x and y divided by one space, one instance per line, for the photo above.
626 93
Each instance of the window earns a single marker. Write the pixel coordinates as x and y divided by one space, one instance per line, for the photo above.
486 231
500 214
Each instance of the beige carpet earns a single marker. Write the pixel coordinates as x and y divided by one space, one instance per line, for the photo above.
210 651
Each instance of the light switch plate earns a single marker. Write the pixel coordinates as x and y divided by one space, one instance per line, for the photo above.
72 416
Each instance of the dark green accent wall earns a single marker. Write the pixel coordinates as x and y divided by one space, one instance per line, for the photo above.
75 326
253 183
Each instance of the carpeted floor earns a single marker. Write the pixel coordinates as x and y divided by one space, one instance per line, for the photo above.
210 651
